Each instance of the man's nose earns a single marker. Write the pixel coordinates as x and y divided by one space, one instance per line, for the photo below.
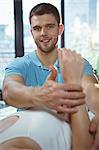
43 31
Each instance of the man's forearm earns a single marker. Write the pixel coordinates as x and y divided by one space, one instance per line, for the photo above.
91 88
92 93
18 95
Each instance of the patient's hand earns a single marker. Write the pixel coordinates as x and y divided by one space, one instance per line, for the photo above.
71 65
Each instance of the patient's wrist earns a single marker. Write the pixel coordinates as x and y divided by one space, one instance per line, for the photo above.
73 81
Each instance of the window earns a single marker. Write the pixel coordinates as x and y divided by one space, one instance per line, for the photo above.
82 29
7 49
29 44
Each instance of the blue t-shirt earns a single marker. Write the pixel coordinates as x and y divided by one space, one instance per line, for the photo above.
34 72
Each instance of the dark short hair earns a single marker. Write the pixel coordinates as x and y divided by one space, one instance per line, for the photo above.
45 8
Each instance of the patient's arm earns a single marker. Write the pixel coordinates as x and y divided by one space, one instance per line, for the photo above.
72 68
81 138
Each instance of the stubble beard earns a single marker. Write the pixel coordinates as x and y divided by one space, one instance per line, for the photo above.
47 50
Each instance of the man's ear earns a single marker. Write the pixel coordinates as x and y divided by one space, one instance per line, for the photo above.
31 30
61 29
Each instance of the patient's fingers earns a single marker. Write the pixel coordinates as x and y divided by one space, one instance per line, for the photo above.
53 73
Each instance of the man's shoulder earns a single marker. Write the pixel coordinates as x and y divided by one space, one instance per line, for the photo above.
28 58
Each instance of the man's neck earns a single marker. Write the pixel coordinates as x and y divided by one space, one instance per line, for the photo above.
47 59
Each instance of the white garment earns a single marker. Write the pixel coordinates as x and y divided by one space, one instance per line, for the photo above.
44 128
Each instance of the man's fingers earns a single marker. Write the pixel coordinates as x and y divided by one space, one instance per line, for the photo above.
93 126
69 110
72 103
63 116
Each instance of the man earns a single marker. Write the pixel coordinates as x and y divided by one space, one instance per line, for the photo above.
24 84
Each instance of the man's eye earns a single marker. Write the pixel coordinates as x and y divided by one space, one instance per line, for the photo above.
50 26
37 29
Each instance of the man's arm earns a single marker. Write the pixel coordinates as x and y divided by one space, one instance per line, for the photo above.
92 93
52 95
15 92
91 88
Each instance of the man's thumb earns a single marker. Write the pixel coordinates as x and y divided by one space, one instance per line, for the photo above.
93 126
53 74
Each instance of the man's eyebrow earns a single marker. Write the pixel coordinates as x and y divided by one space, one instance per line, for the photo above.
51 24
36 26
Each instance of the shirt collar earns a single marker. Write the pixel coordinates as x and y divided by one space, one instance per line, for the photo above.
38 63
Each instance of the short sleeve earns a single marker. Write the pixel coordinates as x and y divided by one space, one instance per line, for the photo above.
88 70
17 67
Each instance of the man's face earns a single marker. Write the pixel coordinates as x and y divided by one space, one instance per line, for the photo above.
45 32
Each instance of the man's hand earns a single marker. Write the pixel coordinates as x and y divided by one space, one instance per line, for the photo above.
61 98
55 96
94 129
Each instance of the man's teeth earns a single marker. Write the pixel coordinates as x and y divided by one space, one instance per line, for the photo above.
45 41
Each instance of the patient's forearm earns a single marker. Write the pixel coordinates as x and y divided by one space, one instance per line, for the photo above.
81 138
